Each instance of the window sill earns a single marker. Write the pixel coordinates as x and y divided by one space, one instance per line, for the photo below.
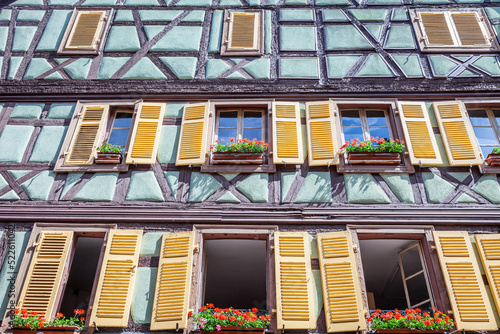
237 168
95 167
404 167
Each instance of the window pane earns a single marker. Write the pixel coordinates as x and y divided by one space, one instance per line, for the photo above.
479 118
118 137
123 120
351 133
252 133
486 150
252 120
226 134
485 135
376 118
380 132
417 289
350 118
228 119
411 261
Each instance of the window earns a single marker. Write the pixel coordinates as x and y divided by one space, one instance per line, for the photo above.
67 261
243 33
85 32
485 122
240 123
453 30
364 123
135 127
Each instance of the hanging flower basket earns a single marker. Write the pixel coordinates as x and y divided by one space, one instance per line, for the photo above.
244 158
374 157
493 159
237 330
47 330
108 158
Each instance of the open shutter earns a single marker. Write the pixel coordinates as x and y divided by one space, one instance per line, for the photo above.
469 30
146 133
244 31
322 134
420 139
295 304
116 281
287 133
45 273
170 304
437 31
193 138
87 135
86 30
341 291
489 248
468 297
458 135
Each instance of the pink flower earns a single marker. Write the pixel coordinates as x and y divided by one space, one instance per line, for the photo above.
218 327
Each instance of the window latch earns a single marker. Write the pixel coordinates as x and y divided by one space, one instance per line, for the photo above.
283 329
95 326
357 330
355 248
176 326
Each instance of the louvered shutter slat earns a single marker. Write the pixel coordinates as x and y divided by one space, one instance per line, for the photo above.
322 134
294 281
341 290
466 290
192 142
173 282
436 29
489 249
287 133
243 31
468 29
116 280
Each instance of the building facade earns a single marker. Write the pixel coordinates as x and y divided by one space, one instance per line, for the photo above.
304 234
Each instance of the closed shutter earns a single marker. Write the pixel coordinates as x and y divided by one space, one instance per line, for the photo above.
171 299
86 30
469 30
244 31
458 135
45 274
87 135
489 248
420 139
437 31
193 137
341 291
322 134
146 133
287 133
116 281
295 304
469 301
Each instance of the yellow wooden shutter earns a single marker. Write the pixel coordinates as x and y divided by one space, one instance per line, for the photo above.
295 302
116 280
469 30
322 134
436 29
468 297
146 133
86 30
87 135
458 135
341 291
244 31
420 139
45 274
193 137
171 299
287 133
489 248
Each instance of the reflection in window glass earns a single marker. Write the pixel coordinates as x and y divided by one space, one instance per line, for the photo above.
351 124
483 129
120 129
239 124
364 124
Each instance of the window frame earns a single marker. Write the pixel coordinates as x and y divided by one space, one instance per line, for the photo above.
102 31
227 50
268 165
482 19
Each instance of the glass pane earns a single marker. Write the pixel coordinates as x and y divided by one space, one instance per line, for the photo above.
228 119
376 118
350 118
123 120
118 137
351 133
411 261
226 134
485 135
417 289
250 134
496 113
479 118
486 150
252 120
380 133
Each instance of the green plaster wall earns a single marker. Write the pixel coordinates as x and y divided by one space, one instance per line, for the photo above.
172 181
436 188
142 299
317 292
299 68
123 39
177 39
182 67
38 187
202 186
316 188
61 110
100 187
144 187
345 37
227 197
151 244
488 187
255 187
400 185
48 144
13 141
169 140
27 110
363 188
53 32
71 180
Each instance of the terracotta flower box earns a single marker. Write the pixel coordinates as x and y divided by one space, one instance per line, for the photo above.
108 158
370 158
47 330
237 330
407 330
493 159
243 158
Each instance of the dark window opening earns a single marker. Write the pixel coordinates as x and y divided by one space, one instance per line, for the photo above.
81 275
235 273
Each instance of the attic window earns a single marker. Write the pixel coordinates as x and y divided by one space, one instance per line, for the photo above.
441 31
84 32
243 33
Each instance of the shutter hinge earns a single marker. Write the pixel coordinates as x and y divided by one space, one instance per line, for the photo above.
196 248
274 310
65 153
355 248
450 312
132 270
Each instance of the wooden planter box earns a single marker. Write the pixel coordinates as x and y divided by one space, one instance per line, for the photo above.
374 158
219 158
47 330
493 159
407 330
108 158
237 330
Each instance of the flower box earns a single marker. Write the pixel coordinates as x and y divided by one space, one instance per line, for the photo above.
108 158
493 159
406 330
237 158
379 158
47 330
236 330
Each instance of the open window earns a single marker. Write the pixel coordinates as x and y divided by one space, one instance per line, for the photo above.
133 127
462 30
243 33
85 32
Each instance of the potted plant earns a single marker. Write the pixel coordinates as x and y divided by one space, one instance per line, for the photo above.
493 158
374 151
27 322
409 321
108 154
240 151
229 320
